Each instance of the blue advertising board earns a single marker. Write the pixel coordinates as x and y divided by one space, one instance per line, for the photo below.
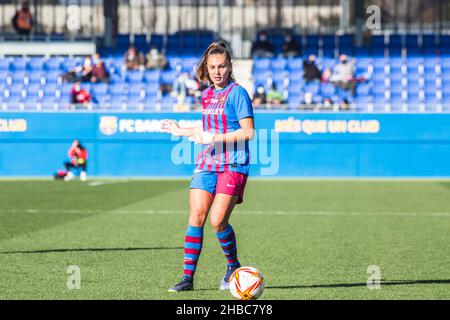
286 144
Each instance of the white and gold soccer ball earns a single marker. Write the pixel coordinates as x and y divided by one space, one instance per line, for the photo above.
246 283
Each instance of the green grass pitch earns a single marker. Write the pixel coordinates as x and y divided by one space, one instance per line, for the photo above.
311 239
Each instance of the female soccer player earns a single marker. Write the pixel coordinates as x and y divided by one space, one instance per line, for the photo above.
222 166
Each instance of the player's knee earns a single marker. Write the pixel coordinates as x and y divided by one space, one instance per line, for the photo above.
197 217
218 224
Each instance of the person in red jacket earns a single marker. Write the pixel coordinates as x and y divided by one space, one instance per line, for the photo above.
79 95
78 159
23 20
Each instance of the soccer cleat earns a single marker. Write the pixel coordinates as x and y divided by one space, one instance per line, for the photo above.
186 284
83 175
69 176
224 283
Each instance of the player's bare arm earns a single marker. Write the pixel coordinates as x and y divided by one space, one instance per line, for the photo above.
171 126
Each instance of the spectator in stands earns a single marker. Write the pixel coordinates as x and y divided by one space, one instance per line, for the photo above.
78 159
155 59
81 72
79 95
343 74
259 98
307 98
274 96
290 47
311 71
327 103
134 60
99 72
262 47
345 106
179 86
23 20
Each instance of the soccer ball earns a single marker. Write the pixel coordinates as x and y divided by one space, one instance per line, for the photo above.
246 283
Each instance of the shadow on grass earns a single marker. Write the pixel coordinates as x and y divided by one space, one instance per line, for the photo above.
90 250
350 285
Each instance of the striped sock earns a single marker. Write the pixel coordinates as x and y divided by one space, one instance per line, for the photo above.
192 247
227 240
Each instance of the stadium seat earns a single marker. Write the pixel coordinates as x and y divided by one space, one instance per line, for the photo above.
279 65
36 64
5 64
133 77
152 76
156 41
295 64
99 89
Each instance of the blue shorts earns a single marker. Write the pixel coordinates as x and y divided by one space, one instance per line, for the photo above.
227 182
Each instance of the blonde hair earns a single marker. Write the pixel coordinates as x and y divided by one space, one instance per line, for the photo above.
217 47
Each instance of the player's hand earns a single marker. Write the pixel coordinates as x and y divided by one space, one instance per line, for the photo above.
203 137
171 126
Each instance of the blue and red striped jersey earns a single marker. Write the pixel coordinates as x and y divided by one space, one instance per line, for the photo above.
222 110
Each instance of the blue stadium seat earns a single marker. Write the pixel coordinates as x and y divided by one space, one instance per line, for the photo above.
116 104
156 41
123 42
262 78
345 44
279 64
134 103
377 48
70 63
327 90
313 88
19 77
140 42
396 76
34 90
152 76
118 88
188 65
53 64
5 64
395 40
15 103
134 76
295 64
411 41
19 64
100 89
16 90
150 103
294 89
36 77
136 91
168 76
395 62
53 77
429 40
363 89
378 76
36 64
379 90
261 64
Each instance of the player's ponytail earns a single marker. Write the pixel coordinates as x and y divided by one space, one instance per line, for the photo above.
217 47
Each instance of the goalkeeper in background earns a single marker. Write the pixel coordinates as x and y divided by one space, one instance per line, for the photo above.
78 159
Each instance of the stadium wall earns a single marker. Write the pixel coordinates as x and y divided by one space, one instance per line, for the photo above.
287 144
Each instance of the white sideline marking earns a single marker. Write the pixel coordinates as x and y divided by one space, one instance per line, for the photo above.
99 183
302 213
